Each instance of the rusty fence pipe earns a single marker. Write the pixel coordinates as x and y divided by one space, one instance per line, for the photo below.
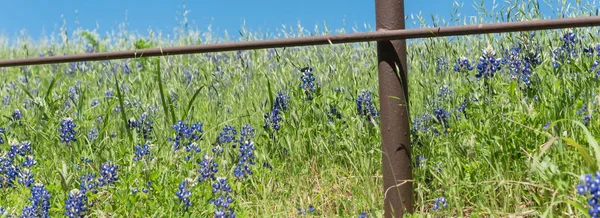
393 100
317 40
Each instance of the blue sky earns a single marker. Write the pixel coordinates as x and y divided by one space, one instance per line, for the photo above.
38 17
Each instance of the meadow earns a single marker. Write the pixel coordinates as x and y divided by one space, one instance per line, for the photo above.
501 125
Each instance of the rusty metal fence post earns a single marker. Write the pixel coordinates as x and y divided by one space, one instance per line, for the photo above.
393 98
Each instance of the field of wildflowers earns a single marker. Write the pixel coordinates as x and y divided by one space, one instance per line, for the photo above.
502 125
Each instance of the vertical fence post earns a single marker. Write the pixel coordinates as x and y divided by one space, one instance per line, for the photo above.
393 98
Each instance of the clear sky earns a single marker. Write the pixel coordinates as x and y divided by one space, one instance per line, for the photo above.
42 17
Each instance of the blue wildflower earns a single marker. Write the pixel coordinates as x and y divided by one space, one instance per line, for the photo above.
40 202
17 115
462 65
2 130
488 64
589 187
26 177
333 114
186 134
88 183
546 125
222 198
76 204
93 135
273 117
141 151
29 161
184 192
308 82
441 116
365 106
67 131
108 174
439 203
246 155
208 169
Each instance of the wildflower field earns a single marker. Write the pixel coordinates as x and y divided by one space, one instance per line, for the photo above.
501 125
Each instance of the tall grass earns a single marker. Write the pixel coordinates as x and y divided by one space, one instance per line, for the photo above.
482 144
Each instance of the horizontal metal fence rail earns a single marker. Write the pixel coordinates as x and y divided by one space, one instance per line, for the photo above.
317 40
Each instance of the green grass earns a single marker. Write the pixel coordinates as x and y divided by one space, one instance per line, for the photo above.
494 160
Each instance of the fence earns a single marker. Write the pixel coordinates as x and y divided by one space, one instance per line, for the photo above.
393 88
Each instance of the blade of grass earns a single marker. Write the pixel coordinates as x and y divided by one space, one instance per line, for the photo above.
270 94
162 93
191 102
123 116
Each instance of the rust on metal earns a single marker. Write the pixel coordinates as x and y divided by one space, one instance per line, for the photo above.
393 98
388 34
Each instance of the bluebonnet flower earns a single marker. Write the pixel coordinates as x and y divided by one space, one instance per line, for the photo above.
441 63
439 203
362 215
29 161
445 92
273 117
186 134
365 106
310 209
267 165
184 192
521 67
208 169
17 115
462 65
26 177
76 204
246 155
463 108
93 135
421 124
95 102
89 48
441 116
420 161
87 183
134 191
488 64
567 51
546 125
308 82
143 126
333 114
40 202
22 149
281 101
108 174
227 135
73 92
6 100
67 131
590 187
141 151
109 94
585 114
222 198
594 68
2 130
